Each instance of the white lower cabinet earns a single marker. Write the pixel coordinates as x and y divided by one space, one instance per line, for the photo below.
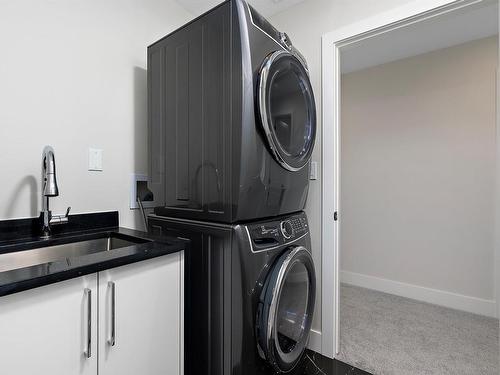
48 330
140 318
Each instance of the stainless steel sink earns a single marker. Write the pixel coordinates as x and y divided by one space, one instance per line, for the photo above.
109 241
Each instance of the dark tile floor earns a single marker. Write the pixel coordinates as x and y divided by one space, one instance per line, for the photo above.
316 364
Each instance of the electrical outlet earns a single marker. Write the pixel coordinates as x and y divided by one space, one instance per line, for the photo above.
95 159
313 175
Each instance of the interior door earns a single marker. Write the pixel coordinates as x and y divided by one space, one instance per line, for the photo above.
140 315
287 109
286 308
46 330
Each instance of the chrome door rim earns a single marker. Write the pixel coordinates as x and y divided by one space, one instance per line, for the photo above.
263 109
271 339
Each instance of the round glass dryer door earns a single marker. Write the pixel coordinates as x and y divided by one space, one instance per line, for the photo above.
287 109
286 308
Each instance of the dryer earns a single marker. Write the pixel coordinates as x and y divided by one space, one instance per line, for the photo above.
250 294
232 119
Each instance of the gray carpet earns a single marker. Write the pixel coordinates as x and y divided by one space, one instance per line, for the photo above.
390 335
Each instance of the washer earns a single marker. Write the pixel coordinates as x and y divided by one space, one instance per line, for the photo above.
284 283
250 294
232 119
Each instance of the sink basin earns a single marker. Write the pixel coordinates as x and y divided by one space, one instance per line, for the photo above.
104 242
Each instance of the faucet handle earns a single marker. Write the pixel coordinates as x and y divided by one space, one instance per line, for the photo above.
59 219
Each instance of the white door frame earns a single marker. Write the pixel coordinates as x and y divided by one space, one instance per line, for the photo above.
331 43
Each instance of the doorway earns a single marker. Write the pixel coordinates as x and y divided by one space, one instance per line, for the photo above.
413 169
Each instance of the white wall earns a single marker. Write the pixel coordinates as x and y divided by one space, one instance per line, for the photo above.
305 23
73 75
418 170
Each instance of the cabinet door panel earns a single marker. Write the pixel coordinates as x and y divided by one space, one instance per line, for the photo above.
45 331
147 320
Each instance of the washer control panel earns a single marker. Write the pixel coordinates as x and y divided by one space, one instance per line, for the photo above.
276 233
299 224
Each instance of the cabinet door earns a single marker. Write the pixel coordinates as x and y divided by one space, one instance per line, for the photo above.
140 316
46 331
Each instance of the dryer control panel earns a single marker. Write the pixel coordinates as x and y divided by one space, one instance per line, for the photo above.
278 232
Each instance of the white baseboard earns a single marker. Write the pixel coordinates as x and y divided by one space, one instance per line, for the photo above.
315 341
434 296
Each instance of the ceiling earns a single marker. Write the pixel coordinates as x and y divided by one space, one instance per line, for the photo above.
266 7
461 26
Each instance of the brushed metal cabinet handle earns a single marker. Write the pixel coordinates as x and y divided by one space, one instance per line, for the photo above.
112 338
88 351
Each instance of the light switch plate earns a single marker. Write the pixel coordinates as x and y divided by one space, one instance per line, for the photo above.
314 171
95 159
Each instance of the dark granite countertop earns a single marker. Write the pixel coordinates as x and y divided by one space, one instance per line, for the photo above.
21 235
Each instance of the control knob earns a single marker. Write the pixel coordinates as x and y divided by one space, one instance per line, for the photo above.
287 229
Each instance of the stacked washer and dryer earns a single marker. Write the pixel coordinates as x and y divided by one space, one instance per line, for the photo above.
232 125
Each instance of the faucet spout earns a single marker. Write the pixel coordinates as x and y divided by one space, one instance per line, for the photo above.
49 189
49 181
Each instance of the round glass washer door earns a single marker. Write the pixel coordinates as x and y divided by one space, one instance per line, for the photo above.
285 310
287 109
